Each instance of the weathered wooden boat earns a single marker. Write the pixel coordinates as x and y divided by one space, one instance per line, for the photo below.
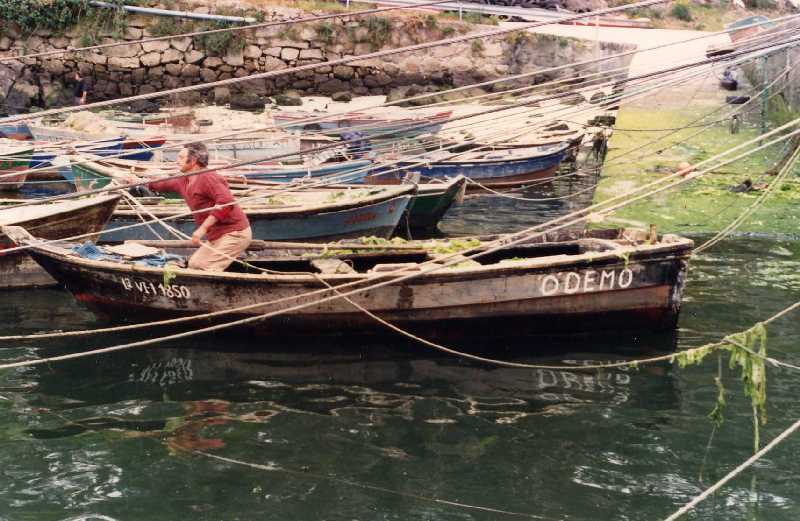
428 205
142 149
319 215
18 131
493 169
57 220
286 173
14 157
391 124
432 200
745 28
599 280
89 172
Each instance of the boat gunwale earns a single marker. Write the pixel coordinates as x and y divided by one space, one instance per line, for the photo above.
640 254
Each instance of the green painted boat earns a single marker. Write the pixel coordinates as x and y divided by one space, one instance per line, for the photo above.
432 201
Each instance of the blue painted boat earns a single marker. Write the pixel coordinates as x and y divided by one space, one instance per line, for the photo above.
46 152
392 125
288 173
294 216
18 131
494 169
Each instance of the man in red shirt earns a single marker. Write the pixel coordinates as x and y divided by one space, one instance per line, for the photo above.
227 229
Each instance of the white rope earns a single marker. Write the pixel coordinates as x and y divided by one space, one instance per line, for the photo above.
455 258
735 472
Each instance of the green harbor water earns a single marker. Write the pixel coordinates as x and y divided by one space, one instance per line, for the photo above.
231 428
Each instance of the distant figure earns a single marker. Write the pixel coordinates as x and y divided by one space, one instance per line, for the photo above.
735 124
600 145
80 90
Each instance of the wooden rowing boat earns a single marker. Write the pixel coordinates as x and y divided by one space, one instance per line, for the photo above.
58 220
14 157
493 169
320 215
390 124
599 280
428 205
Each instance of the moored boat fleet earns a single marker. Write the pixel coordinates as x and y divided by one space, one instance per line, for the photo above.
307 181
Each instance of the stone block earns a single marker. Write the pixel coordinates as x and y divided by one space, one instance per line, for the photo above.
234 58
343 72
147 89
123 51
5 43
193 56
252 52
174 69
156 72
289 54
307 32
59 42
208 75
330 86
379 79
181 44
290 43
212 62
54 67
275 52
240 73
171 56
151 59
124 63
311 54
159 46
272 64
138 75
190 71
133 33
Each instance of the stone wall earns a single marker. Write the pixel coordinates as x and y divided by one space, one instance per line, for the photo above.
139 68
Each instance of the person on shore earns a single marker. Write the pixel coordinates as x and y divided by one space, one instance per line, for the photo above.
80 91
227 228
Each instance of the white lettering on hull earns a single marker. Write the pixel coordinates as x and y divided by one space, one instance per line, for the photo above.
586 281
173 291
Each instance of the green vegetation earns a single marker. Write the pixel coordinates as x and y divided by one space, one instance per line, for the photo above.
380 31
706 204
31 15
325 32
681 12
220 43
477 48
748 350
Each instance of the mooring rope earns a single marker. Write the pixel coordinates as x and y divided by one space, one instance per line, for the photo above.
454 258
735 472
417 497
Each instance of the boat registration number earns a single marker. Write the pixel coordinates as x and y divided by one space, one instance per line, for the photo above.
173 291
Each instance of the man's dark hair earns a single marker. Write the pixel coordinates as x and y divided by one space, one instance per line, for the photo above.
198 152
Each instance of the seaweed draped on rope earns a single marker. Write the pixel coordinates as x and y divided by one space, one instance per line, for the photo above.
748 352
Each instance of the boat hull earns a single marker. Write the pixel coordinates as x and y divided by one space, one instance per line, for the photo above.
608 293
488 174
18 270
379 219
19 162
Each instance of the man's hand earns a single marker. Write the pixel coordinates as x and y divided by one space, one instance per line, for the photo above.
198 235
